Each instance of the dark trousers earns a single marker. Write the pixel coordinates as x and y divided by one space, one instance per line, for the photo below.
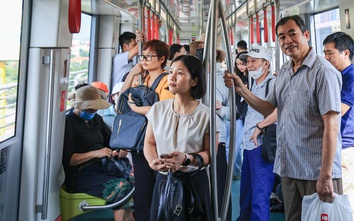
144 186
221 168
294 191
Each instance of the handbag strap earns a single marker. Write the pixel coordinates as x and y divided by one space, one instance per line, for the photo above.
157 81
200 165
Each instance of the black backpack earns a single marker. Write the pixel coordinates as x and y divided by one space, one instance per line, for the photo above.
129 127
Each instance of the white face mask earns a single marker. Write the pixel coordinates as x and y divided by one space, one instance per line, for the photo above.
257 73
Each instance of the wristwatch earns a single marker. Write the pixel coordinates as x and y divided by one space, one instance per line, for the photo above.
187 160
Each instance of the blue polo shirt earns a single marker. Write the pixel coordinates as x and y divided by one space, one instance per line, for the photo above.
347 97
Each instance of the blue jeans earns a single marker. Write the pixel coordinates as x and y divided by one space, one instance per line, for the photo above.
257 181
238 144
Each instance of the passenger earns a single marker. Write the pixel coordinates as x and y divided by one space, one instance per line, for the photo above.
86 141
186 48
222 111
153 59
123 62
102 87
241 71
179 127
339 50
175 51
307 94
257 177
241 46
110 113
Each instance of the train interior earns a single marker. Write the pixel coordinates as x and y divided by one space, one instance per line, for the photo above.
48 47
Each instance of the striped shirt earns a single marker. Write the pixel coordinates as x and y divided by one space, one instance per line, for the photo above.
302 98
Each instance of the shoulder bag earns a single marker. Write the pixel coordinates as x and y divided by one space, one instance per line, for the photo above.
176 201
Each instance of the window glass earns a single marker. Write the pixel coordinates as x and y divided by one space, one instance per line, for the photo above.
80 55
325 23
10 33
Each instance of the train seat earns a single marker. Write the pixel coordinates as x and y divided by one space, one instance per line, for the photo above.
70 203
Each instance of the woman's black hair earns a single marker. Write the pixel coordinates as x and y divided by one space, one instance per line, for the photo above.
196 70
237 71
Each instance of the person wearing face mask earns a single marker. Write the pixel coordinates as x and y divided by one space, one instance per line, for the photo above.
86 142
257 177
110 113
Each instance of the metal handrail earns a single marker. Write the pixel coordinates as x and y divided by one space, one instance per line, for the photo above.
48 140
119 203
232 97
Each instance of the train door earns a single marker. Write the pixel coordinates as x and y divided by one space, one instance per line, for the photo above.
12 102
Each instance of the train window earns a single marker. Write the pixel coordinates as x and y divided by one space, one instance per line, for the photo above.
325 23
80 55
10 34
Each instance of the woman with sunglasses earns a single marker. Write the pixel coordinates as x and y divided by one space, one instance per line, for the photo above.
153 60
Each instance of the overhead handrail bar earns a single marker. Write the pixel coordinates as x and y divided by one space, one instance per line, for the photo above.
110 206
232 97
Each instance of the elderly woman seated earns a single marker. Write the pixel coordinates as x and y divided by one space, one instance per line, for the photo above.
86 142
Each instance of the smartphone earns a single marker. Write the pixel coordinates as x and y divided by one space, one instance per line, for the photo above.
165 155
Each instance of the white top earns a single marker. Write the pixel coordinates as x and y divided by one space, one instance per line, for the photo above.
121 66
175 131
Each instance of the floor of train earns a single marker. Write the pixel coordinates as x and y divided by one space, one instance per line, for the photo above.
106 215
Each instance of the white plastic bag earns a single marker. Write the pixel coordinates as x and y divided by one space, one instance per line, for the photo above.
313 209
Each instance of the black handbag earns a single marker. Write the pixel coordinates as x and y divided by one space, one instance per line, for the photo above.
269 146
117 167
176 200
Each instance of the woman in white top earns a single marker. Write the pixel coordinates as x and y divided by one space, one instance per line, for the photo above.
178 128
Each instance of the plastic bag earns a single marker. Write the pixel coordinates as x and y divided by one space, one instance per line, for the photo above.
313 209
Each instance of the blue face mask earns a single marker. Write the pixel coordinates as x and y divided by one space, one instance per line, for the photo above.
86 115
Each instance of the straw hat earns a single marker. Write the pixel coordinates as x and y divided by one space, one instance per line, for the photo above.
88 97
194 46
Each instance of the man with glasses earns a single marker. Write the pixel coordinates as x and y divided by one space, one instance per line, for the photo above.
339 50
307 95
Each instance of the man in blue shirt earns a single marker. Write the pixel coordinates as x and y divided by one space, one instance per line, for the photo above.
123 62
339 50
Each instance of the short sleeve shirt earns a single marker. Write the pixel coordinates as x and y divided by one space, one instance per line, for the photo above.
121 66
161 89
252 116
179 132
347 97
302 99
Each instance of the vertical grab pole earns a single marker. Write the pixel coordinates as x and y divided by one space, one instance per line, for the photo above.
140 27
210 49
48 139
232 95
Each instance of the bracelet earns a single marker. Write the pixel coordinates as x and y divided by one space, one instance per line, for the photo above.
131 102
259 126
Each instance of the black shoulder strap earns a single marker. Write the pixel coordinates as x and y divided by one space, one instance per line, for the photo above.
267 87
157 81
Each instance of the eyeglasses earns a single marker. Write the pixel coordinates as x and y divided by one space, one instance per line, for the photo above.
255 50
146 57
